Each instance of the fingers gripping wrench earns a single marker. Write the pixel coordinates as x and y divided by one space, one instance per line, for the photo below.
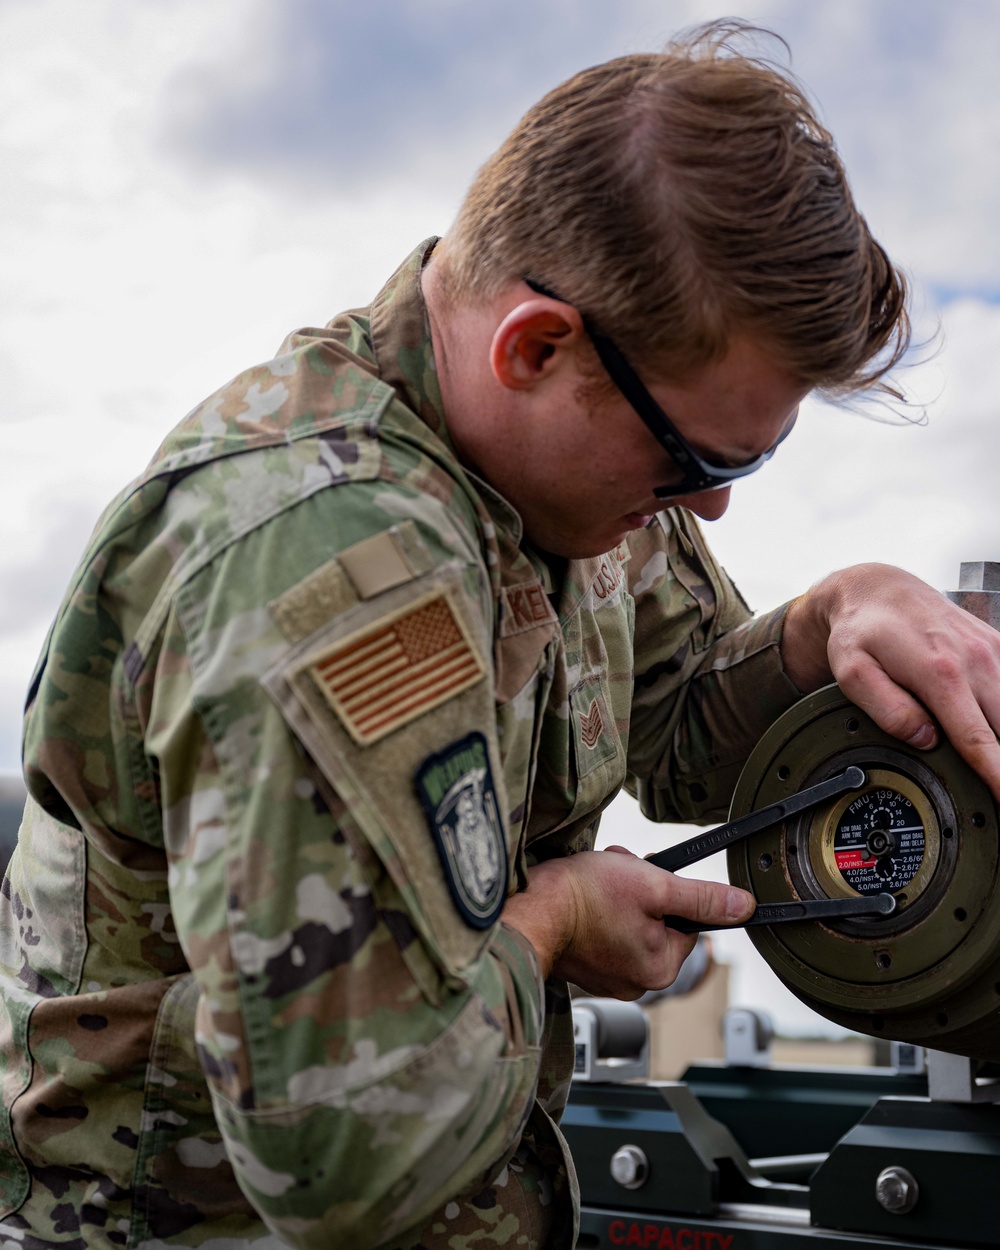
706 844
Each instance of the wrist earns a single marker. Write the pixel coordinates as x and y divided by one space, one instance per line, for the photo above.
545 912
804 638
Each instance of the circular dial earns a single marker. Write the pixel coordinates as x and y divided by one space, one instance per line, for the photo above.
879 842
928 974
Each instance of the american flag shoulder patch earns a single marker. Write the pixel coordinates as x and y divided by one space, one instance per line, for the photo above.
406 663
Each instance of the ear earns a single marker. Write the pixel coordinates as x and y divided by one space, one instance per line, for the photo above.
533 341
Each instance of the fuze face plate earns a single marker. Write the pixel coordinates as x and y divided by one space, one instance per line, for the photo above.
878 841
925 828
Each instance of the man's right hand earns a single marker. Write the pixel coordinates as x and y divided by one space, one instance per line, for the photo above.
596 918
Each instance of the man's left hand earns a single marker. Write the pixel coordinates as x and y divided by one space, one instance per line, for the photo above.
904 654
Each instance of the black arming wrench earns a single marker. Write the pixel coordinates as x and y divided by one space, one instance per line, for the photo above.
801 909
706 844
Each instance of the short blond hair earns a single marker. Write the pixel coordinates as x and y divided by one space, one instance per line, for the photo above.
678 197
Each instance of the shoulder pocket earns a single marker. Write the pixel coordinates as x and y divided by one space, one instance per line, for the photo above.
392 700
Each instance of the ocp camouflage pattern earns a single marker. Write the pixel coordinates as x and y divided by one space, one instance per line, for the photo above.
239 1005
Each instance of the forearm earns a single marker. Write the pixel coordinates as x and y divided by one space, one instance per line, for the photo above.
373 1105
543 913
390 1136
690 739
399 1103
709 677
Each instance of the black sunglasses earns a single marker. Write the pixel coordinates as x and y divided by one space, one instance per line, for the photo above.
698 474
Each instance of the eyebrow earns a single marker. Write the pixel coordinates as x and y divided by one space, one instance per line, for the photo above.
697 471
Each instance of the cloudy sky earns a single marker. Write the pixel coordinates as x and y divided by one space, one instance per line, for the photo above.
186 180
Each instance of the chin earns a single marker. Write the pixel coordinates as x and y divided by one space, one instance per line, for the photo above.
581 547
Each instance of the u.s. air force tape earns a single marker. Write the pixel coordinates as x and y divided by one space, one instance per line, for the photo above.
456 788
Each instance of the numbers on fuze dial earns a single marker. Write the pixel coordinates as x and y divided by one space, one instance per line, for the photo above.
879 842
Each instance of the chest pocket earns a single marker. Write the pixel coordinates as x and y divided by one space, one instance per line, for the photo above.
598 722
585 737
525 659
600 702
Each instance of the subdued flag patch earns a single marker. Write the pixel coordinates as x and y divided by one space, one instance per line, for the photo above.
457 792
381 677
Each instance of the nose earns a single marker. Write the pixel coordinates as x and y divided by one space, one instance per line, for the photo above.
708 504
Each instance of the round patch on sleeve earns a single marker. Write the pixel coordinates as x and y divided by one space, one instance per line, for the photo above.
456 789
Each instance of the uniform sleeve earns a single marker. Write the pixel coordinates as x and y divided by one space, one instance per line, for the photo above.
708 675
369 1030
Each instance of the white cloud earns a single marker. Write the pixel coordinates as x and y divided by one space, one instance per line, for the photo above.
132 291
906 85
844 488
909 89
384 91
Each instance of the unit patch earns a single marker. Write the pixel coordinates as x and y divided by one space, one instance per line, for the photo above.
387 674
456 789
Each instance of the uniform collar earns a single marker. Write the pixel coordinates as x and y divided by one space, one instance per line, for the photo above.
401 341
400 332
404 355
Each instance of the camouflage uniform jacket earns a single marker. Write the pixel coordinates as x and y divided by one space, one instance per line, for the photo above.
309 709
